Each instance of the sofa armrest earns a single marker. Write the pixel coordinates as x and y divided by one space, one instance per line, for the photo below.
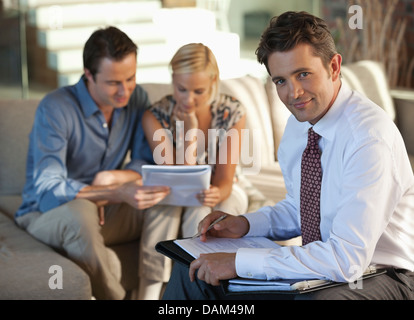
404 104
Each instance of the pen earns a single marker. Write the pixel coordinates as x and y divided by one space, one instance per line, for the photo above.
211 225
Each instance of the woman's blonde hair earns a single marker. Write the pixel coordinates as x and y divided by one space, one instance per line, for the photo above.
196 57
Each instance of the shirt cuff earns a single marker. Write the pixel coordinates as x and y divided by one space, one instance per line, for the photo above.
258 224
76 187
244 266
60 194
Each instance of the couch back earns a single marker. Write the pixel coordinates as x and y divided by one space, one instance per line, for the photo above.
369 78
16 119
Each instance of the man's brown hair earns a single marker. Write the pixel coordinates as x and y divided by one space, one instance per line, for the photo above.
290 29
109 43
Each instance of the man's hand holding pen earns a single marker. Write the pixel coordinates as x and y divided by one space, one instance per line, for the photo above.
228 227
214 267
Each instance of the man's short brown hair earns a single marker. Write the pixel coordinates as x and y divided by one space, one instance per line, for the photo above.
109 43
290 29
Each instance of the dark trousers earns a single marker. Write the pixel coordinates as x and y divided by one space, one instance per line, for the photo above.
392 285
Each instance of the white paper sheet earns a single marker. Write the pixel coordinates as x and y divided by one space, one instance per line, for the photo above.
185 182
195 247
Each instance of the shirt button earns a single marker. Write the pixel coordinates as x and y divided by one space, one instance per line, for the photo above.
249 274
105 125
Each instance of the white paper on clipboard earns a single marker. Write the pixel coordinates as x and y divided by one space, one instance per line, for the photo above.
185 182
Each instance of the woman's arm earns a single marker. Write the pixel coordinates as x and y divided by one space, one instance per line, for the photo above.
159 139
188 124
222 180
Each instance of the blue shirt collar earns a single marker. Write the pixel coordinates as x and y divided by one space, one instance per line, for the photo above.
89 107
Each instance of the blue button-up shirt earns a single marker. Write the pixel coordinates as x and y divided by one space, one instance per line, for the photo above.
70 143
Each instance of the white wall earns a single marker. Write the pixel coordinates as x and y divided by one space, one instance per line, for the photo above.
238 8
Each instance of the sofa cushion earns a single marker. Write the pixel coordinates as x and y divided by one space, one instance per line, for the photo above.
156 91
404 105
278 112
369 78
411 160
270 183
10 204
25 264
16 118
250 91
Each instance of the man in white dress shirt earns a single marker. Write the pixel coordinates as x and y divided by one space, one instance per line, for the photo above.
367 192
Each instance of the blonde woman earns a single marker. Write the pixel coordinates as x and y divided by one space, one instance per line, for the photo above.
196 103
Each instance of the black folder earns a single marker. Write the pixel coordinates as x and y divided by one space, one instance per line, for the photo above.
170 249
174 252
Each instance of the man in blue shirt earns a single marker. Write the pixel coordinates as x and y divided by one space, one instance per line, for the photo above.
78 195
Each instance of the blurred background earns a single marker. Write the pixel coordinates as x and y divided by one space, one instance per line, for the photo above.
41 41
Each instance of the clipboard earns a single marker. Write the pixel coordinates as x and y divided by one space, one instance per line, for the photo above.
183 250
170 249
174 252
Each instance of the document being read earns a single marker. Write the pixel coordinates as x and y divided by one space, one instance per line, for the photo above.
195 247
185 182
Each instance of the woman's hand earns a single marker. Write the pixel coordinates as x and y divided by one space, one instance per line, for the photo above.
189 118
141 197
210 197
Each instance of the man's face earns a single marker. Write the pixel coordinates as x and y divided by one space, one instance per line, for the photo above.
114 82
303 83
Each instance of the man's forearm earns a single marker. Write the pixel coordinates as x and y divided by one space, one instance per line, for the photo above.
102 195
105 188
110 177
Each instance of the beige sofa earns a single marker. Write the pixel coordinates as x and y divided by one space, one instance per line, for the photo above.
25 262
